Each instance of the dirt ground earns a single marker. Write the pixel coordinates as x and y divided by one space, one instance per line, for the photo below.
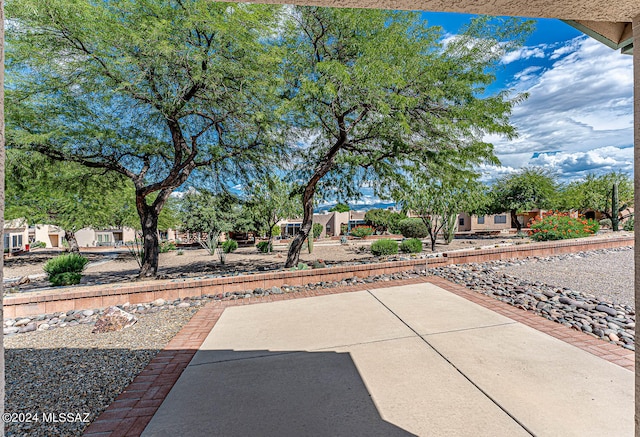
119 265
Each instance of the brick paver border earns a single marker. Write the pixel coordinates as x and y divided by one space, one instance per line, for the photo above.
133 409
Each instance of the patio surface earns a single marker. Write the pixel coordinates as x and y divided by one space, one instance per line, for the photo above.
414 359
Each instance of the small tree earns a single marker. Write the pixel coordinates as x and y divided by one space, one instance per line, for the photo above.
270 201
340 207
384 220
525 190
208 213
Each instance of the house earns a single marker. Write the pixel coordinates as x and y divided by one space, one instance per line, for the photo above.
484 223
332 223
18 234
89 237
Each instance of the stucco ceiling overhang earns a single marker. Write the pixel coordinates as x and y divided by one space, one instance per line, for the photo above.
607 21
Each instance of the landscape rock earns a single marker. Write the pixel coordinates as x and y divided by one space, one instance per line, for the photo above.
114 319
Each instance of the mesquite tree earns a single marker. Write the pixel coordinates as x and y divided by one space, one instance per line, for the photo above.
369 90
157 91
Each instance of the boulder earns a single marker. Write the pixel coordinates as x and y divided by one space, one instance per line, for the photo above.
114 319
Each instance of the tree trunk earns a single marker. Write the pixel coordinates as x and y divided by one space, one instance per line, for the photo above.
70 237
615 209
305 228
149 222
514 220
270 240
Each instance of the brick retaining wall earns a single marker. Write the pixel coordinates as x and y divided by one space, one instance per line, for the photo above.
100 296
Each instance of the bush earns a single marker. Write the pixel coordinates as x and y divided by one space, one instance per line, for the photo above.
559 226
317 229
412 245
66 278
264 246
229 246
362 231
384 247
276 231
629 224
413 228
38 245
65 269
166 246
605 223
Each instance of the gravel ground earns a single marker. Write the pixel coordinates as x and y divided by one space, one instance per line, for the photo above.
606 274
71 370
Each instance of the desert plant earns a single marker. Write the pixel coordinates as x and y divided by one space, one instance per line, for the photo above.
136 249
264 246
300 266
317 230
166 246
211 242
605 223
629 224
411 245
310 244
179 252
362 231
344 240
384 247
65 269
413 228
559 226
229 246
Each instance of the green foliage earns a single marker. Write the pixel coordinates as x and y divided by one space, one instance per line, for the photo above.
300 266
179 252
629 224
65 269
229 246
522 191
166 246
384 220
276 231
38 245
66 278
362 231
264 246
340 207
559 226
205 212
317 229
411 245
594 193
271 200
413 228
384 247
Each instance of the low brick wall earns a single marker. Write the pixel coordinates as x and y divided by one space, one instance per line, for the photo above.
100 296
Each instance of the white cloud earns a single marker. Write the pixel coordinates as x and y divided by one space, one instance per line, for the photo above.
580 105
524 53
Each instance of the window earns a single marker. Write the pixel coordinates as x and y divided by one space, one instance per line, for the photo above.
104 238
293 228
481 220
499 219
461 221
16 241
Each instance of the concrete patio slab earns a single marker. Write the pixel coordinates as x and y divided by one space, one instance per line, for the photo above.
352 364
429 309
301 325
553 388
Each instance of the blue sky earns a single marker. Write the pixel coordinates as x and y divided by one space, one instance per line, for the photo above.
579 114
578 118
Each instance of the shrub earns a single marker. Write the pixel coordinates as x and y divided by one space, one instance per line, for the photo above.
300 266
229 246
166 246
38 245
413 228
179 252
65 269
276 231
317 229
66 278
362 231
606 223
629 224
412 245
559 226
384 247
264 246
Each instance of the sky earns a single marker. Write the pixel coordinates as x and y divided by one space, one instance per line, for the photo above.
578 117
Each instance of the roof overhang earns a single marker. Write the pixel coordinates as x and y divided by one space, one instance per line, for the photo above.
617 35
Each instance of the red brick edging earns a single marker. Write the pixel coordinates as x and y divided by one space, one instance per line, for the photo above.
133 409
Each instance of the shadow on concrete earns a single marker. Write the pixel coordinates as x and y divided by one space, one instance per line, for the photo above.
263 393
